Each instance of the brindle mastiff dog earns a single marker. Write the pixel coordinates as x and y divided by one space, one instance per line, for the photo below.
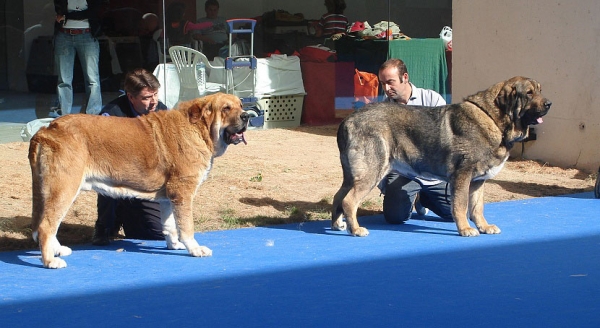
163 156
463 144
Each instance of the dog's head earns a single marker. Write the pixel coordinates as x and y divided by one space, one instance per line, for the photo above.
521 104
222 117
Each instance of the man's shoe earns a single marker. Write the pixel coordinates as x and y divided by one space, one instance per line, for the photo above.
55 112
101 237
420 209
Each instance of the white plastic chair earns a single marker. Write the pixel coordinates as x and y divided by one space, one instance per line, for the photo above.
159 40
185 60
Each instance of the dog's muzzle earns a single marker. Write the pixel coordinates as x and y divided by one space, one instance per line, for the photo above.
236 138
536 118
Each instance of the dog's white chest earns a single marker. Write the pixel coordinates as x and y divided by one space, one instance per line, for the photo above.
492 172
204 175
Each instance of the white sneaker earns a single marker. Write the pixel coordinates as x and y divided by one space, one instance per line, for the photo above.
55 112
420 209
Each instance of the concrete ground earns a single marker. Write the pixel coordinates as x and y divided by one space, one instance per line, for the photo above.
18 108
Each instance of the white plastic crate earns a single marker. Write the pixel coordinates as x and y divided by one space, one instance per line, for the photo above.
282 111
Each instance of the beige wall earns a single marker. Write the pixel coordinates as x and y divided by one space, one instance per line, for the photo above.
555 42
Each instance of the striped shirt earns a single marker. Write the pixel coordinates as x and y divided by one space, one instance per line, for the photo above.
333 23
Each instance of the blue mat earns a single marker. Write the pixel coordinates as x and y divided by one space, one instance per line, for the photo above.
542 271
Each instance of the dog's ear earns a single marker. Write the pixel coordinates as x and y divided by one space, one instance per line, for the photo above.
199 108
524 89
505 98
513 99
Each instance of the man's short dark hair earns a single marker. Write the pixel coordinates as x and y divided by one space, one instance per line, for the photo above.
209 3
138 79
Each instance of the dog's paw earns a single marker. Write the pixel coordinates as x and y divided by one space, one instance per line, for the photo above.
469 232
62 251
490 229
55 263
360 232
339 226
175 245
200 251
196 250
58 249
172 239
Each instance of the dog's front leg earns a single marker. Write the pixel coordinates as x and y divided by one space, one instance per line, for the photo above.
185 224
169 227
460 200
476 208
51 248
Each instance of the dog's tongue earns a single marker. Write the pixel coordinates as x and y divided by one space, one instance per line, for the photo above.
237 138
540 120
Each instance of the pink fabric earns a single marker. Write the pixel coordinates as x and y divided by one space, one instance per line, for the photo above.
189 26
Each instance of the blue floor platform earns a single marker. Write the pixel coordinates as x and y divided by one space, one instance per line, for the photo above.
543 270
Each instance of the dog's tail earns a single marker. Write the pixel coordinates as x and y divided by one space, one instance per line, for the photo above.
342 137
34 162
38 146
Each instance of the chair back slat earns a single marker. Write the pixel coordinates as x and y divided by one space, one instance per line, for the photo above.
185 60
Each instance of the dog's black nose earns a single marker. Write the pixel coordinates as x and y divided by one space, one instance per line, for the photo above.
547 104
245 117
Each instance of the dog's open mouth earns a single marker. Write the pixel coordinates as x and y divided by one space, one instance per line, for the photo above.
235 138
536 121
536 117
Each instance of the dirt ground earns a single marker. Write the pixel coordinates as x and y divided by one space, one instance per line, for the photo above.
281 176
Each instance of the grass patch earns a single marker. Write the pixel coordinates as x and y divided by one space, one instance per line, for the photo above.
372 204
291 210
230 220
293 213
257 178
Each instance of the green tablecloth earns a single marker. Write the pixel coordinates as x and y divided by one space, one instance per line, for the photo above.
425 60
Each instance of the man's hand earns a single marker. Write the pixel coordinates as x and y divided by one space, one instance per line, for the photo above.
336 36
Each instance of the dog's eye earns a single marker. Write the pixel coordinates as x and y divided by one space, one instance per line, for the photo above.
226 108
529 93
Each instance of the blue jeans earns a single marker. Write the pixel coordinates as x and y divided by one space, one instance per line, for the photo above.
88 51
400 193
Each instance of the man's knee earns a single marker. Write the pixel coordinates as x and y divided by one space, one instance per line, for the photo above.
395 217
398 200
396 210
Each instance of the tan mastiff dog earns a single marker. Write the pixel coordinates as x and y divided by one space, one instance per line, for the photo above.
163 155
